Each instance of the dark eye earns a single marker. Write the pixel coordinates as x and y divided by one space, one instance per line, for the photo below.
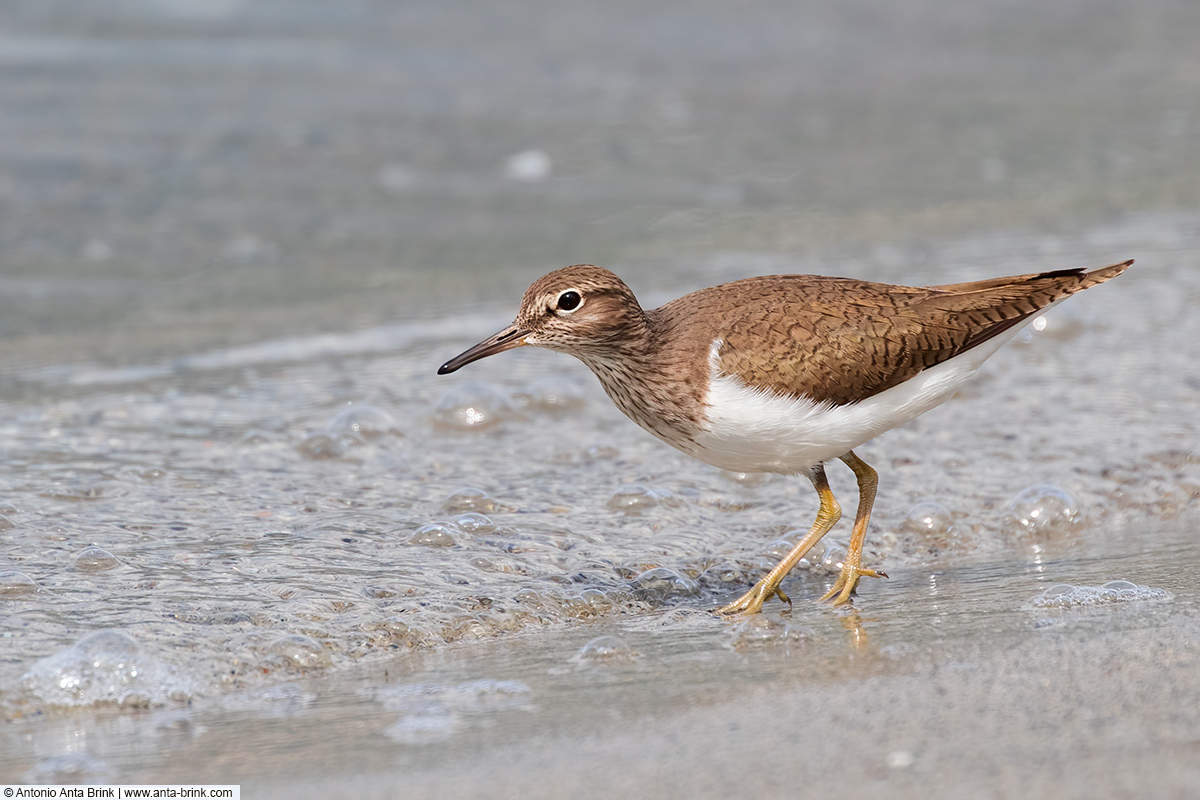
569 300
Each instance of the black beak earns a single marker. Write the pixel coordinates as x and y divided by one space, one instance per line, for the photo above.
507 339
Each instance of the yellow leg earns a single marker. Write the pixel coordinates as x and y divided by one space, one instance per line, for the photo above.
827 516
868 481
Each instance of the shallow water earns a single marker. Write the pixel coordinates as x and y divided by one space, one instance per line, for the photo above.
238 509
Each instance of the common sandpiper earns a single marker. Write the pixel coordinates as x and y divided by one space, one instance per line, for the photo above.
782 373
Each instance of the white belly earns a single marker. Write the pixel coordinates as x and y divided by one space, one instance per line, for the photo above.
751 430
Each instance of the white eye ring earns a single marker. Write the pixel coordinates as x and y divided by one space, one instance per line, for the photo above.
568 301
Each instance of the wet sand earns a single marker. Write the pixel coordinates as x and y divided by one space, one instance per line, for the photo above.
1002 701
1058 715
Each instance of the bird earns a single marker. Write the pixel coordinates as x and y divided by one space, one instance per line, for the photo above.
782 373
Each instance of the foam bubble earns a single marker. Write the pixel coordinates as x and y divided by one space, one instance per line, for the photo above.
929 520
472 406
297 651
724 572
321 446
539 600
1044 509
473 522
597 600
549 603
362 423
434 534
391 629
95 559
606 650
586 604
774 552
469 499
16 584
1066 595
832 557
105 667
661 583
634 499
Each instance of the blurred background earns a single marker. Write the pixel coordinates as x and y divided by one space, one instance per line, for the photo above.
177 175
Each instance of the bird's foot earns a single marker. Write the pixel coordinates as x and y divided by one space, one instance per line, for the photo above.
752 601
844 586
